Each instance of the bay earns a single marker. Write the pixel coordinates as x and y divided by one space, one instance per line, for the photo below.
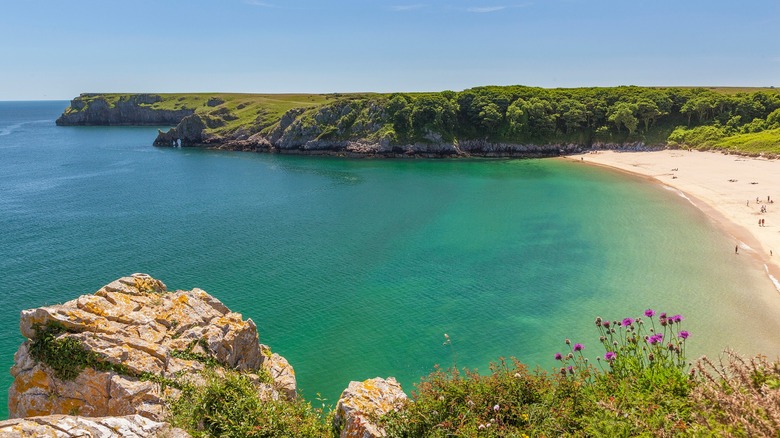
353 269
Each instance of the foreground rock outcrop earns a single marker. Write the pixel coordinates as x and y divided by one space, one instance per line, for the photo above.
66 426
363 402
126 348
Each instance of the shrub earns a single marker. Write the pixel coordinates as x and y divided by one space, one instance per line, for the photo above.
739 396
230 405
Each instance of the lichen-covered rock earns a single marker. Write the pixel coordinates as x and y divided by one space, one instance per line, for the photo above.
142 333
281 372
66 426
362 402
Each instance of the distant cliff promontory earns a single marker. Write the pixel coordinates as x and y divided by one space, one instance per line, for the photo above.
486 121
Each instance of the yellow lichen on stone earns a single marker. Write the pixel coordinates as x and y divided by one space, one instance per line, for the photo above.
38 379
93 305
71 406
145 283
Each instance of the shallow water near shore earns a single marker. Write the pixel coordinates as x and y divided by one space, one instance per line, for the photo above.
354 269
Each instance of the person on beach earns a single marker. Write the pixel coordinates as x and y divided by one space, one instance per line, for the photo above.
736 249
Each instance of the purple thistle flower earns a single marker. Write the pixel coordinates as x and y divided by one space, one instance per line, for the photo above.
649 313
578 347
627 321
605 324
656 339
684 334
571 369
610 356
558 356
676 318
662 315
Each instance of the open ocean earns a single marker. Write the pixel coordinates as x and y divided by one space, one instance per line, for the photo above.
353 269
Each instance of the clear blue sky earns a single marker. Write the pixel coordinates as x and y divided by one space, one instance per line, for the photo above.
56 49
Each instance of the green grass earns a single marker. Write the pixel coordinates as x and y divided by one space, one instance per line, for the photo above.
753 143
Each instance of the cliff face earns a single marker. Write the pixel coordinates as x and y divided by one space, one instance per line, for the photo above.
137 109
125 349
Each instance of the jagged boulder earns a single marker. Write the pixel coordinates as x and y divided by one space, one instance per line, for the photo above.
363 402
66 426
127 346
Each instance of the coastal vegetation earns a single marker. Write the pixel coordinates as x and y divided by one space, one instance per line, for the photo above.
640 383
737 120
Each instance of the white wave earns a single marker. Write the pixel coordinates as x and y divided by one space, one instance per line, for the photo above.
8 130
679 193
771 277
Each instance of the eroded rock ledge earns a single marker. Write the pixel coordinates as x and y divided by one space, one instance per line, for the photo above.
65 426
124 349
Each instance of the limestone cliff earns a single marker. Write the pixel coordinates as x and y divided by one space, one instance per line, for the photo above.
126 348
129 110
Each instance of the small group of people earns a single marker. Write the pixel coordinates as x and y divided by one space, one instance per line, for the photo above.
761 223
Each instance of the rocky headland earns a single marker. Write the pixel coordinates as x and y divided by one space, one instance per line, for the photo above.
340 125
92 109
110 363
507 121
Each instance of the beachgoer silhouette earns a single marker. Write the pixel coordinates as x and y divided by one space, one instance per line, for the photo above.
736 249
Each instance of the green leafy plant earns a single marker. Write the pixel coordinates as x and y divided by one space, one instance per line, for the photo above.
66 355
229 405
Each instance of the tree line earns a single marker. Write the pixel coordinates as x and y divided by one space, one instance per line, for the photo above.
521 114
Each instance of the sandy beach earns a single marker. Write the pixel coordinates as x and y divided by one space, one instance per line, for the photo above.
725 187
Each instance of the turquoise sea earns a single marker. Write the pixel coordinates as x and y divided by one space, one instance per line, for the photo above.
357 268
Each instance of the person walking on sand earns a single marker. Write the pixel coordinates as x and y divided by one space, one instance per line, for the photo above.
736 249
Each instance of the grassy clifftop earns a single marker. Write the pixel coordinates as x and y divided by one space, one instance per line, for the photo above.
736 119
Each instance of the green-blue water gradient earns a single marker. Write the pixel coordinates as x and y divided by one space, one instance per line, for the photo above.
353 269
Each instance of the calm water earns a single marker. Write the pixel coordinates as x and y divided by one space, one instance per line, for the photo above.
357 268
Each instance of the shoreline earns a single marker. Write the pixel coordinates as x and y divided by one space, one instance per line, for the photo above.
723 187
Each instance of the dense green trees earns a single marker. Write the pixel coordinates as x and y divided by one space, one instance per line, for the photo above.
586 116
